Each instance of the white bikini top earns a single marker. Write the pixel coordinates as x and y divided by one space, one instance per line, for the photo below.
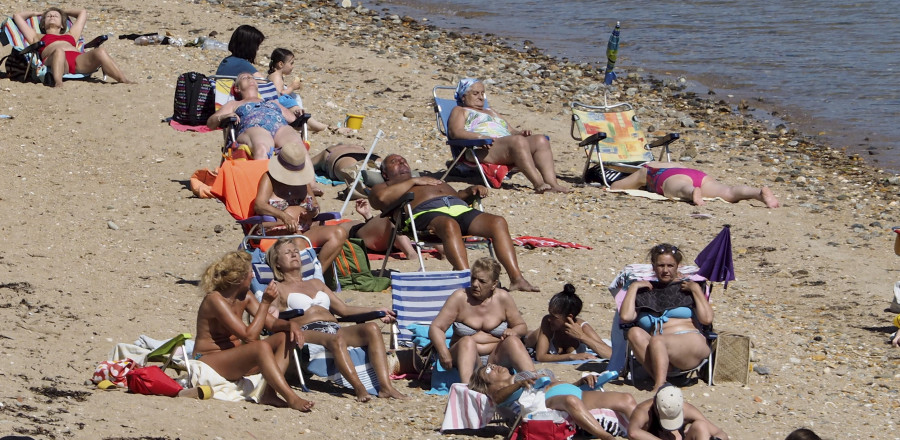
302 301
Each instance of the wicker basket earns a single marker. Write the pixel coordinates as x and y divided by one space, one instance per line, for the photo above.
731 358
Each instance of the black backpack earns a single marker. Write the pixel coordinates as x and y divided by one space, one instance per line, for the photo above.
195 99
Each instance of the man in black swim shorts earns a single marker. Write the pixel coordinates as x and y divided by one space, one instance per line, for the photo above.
445 213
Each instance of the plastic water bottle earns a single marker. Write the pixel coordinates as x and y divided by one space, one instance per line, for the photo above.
212 44
148 40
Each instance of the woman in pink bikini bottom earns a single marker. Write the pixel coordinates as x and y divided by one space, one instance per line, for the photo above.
674 180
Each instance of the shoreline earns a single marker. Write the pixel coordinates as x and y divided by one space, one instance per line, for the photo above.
871 147
105 242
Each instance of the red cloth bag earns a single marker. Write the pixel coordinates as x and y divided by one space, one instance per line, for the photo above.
543 430
153 381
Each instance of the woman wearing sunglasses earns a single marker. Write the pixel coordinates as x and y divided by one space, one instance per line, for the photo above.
667 315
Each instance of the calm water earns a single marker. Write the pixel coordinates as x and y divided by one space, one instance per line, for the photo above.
825 65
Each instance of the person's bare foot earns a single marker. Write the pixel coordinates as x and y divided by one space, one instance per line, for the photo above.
559 189
363 396
540 189
302 405
697 197
317 191
523 285
768 197
391 393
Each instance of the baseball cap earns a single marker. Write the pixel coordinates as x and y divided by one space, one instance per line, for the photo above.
670 407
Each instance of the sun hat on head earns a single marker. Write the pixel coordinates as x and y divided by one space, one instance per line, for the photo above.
670 407
292 166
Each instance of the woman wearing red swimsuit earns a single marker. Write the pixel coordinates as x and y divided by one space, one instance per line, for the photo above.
59 53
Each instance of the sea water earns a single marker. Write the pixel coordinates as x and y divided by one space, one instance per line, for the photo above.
830 68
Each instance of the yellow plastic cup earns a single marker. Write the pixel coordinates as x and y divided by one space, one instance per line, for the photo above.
354 122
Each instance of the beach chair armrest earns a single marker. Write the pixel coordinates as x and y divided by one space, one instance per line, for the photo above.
96 42
665 140
363 317
227 122
301 120
32 48
388 212
593 139
330 215
257 219
469 143
287 315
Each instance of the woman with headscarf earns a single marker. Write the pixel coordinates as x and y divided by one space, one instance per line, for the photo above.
472 118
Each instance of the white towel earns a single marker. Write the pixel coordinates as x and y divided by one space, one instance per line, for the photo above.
247 388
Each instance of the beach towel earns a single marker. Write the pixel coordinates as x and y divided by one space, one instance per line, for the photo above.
236 185
655 196
182 127
247 388
536 242
321 363
202 181
466 409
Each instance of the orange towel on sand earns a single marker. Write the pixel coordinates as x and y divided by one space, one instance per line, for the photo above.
236 185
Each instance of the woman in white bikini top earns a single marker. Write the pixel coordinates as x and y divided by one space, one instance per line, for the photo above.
319 323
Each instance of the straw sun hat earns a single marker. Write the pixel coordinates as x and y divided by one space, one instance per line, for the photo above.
292 166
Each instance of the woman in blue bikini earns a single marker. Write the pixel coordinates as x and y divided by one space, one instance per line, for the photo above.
486 323
263 125
504 388
667 314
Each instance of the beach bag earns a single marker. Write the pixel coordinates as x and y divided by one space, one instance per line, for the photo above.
532 429
152 381
195 99
16 65
353 270
113 371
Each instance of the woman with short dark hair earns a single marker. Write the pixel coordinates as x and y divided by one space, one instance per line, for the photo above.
244 45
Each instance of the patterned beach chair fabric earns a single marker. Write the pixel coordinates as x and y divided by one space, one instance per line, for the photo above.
11 35
313 357
267 92
621 351
611 137
417 298
459 147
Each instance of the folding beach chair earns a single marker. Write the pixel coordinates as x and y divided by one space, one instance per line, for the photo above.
169 351
612 137
236 185
38 72
458 147
400 212
267 92
621 351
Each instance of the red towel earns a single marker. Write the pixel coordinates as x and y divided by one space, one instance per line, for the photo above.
536 242
182 127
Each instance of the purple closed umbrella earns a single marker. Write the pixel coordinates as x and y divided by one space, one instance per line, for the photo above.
715 261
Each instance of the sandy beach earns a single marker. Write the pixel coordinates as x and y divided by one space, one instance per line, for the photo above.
103 241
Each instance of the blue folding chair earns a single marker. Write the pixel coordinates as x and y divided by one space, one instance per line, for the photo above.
458 147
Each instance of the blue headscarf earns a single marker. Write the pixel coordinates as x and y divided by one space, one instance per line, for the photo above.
463 87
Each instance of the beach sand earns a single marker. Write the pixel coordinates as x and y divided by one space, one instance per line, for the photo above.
813 276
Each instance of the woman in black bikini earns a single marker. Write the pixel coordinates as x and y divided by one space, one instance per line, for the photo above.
59 53
486 322
319 325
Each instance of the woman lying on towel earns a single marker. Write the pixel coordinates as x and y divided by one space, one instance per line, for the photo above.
667 315
318 322
504 388
263 125
675 181
472 118
486 322
563 336
59 53
234 349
